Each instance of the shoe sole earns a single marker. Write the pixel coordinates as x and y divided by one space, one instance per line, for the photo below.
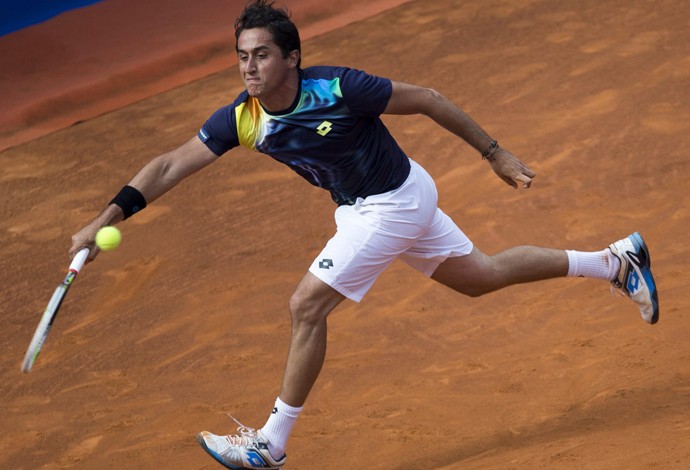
646 271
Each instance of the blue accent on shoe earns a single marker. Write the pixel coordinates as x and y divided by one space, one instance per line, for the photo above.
633 282
646 269
255 459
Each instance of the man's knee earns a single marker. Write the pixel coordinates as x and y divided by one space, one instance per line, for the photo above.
312 301
473 275
305 309
476 290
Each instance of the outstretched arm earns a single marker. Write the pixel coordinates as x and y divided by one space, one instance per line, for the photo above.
412 99
156 178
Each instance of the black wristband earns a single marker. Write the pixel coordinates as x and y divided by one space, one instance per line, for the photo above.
130 200
493 146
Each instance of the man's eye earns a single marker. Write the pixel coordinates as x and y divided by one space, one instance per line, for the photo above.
243 58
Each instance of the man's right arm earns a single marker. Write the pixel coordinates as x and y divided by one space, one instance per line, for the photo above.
156 178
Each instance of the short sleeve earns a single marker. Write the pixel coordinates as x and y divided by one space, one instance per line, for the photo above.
364 94
218 133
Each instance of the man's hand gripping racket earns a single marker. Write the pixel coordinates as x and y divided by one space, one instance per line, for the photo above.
52 309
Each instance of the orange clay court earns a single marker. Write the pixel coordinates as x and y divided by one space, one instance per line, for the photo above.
187 320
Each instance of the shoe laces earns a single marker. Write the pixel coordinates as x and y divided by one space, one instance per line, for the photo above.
618 292
246 436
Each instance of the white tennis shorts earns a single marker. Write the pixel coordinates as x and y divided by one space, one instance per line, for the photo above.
404 223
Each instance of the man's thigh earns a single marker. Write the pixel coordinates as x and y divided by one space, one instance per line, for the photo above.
443 240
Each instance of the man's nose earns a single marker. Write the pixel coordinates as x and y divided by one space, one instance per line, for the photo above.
250 65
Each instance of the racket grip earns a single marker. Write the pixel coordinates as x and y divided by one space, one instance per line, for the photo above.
79 260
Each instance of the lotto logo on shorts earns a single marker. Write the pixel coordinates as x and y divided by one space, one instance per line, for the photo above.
326 263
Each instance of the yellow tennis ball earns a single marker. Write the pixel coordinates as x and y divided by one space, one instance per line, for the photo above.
108 238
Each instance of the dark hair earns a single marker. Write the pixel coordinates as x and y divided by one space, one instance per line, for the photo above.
261 14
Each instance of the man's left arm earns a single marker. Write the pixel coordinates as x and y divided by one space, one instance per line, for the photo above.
412 99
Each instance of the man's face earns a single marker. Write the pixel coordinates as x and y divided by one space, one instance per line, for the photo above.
262 66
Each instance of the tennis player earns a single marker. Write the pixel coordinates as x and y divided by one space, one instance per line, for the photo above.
324 123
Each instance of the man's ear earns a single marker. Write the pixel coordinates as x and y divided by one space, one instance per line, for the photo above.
293 58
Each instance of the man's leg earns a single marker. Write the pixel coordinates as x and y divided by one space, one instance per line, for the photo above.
625 263
477 273
310 304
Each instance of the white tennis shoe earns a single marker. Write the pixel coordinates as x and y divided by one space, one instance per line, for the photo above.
247 450
635 278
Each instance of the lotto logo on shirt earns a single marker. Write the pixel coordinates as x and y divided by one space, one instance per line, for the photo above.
324 128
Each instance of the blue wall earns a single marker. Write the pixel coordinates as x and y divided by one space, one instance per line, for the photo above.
18 14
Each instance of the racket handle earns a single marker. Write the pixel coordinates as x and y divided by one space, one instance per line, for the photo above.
79 260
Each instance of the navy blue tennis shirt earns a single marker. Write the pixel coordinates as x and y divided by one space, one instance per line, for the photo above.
332 135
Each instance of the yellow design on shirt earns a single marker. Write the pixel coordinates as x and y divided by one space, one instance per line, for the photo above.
250 125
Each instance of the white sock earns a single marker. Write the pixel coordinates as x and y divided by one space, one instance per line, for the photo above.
598 264
279 426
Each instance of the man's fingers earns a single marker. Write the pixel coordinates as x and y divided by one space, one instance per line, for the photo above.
524 179
93 252
511 170
510 182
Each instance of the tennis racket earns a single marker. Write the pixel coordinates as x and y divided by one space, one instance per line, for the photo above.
52 309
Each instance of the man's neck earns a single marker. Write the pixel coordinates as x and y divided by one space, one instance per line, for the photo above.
283 98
